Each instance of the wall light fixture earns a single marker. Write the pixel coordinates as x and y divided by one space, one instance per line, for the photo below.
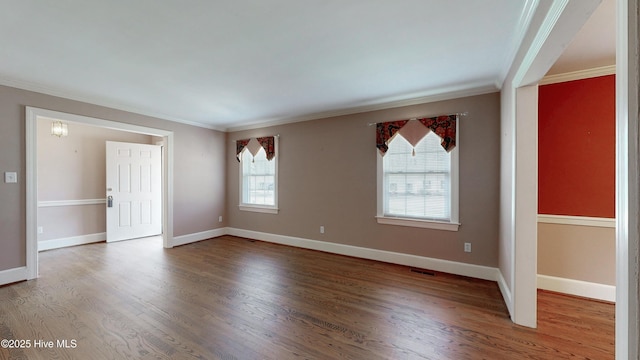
59 129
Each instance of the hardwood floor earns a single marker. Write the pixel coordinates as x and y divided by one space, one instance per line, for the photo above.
233 298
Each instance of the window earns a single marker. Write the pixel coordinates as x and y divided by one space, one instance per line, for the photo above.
418 186
258 181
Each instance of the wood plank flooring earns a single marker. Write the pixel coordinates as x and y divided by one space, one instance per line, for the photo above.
234 298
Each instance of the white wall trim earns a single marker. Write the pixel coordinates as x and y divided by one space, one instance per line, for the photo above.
258 209
577 287
627 325
84 97
13 275
71 241
53 203
562 20
107 124
541 37
455 92
578 75
191 238
451 267
31 179
524 22
425 224
577 220
506 293
33 115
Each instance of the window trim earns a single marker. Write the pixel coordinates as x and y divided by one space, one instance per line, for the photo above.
452 225
265 209
419 223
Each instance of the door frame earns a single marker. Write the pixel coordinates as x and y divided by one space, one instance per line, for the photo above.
627 312
33 115
627 324
557 23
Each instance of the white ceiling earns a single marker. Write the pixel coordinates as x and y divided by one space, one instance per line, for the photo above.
230 63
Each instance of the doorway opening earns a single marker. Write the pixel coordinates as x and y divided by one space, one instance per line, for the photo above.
35 115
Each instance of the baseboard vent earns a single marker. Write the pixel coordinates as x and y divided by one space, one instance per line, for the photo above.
424 272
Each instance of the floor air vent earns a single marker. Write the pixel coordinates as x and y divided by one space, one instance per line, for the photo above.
424 272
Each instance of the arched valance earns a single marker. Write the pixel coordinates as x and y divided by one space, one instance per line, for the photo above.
267 143
240 145
444 126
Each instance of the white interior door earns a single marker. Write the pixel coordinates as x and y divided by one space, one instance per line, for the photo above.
134 191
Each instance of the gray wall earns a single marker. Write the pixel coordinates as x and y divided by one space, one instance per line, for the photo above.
74 168
199 184
327 176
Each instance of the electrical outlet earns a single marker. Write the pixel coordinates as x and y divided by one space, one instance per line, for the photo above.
40 230
321 229
10 177
220 218
467 247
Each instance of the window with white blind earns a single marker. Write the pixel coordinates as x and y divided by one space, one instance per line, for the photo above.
418 186
258 182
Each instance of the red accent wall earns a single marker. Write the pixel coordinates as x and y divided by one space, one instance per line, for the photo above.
576 148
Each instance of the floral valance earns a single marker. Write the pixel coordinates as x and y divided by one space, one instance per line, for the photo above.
268 143
240 145
444 126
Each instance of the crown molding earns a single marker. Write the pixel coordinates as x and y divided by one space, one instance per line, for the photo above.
71 95
578 75
524 22
453 92
446 94
549 22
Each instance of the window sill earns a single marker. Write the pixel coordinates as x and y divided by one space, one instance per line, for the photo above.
260 209
425 224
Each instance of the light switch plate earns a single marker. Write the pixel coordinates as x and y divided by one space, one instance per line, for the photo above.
10 177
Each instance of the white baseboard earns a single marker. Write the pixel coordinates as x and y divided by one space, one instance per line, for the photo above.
204 235
451 267
92 238
13 275
568 286
71 241
577 287
506 293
